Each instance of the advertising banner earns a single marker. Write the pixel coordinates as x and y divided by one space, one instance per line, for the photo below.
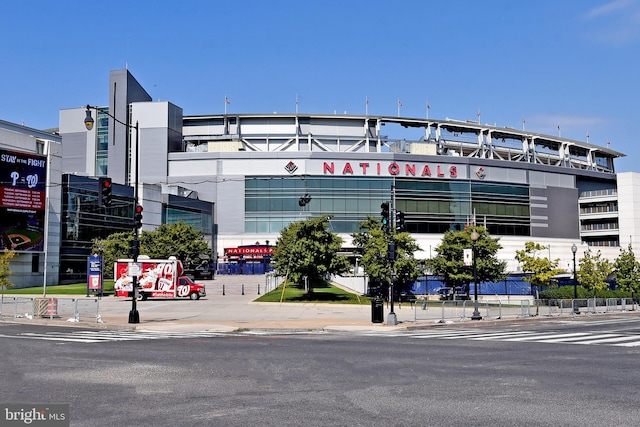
157 277
94 273
22 200
468 257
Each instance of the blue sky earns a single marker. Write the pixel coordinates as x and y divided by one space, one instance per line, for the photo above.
571 63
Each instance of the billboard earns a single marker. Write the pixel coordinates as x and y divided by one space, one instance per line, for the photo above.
23 189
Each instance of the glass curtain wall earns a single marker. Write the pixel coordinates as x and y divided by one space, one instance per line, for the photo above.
433 206
83 221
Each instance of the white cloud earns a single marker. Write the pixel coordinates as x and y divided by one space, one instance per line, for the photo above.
614 23
610 7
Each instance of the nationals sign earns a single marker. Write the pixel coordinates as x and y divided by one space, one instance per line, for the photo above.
249 250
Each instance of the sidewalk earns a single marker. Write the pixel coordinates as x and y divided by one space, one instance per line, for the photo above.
229 306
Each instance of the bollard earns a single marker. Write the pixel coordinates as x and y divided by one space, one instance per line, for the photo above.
258 288
243 289
223 289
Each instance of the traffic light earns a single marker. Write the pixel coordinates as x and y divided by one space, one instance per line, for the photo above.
400 227
391 253
304 200
137 217
385 216
104 191
135 248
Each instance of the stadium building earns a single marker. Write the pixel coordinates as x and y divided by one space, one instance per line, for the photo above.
30 203
260 172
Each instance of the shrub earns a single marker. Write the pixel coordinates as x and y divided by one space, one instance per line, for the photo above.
566 292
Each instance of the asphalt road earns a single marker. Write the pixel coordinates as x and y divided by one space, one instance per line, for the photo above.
566 373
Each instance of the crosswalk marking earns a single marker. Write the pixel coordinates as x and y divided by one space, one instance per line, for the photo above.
628 344
109 335
521 336
524 336
613 339
98 336
542 337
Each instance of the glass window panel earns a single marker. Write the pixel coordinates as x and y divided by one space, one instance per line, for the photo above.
250 226
364 205
262 226
262 205
508 210
351 205
275 226
275 204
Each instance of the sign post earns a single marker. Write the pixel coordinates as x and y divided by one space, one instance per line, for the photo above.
94 274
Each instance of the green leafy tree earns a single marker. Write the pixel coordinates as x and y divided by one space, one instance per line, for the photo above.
115 246
373 244
449 261
5 270
309 249
541 270
178 239
627 271
594 271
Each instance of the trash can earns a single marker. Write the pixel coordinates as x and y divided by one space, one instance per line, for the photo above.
377 310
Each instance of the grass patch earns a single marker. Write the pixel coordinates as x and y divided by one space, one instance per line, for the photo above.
324 293
73 289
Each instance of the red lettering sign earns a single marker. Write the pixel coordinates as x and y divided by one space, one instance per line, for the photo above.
249 250
394 169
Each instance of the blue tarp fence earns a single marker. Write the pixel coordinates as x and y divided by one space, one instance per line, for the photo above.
248 268
512 285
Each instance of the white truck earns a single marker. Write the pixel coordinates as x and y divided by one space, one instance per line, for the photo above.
157 278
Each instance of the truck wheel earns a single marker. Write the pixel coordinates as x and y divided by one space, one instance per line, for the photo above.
142 296
194 296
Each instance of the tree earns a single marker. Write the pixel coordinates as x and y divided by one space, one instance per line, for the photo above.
309 249
594 271
449 262
5 270
178 239
627 271
541 270
116 246
372 243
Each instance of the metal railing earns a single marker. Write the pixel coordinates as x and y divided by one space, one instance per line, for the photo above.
559 307
443 311
71 309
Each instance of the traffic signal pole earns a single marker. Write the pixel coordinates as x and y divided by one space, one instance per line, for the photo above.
104 198
134 316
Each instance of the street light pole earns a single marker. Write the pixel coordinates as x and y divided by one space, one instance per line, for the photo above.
574 249
134 316
392 318
476 313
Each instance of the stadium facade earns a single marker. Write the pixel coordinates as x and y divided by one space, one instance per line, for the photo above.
254 169
30 202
